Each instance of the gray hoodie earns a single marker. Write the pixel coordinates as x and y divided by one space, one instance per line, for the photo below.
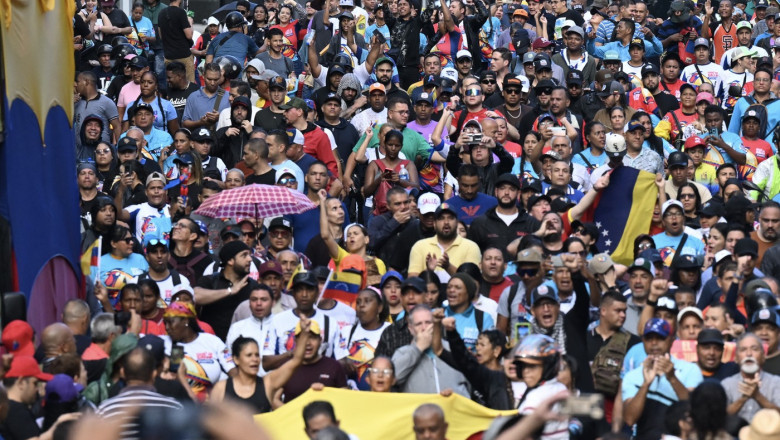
418 372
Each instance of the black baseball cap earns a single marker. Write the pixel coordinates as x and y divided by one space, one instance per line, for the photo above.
574 77
710 336
508 178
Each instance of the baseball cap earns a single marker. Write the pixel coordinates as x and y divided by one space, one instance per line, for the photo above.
750 114
331 97
508 178
762 4
701 42
693 142
463 53
541 43
690 310
545 84
576 30
185 158
126 144
705 96
536 198
428 203
270 266
531 184
635 125
746 246
432 80
686 262
305 279
600 263
414 283
155 177
26 366
18 338
529 57
721 255
280 222
652 254
529 255
314 326
449 73
574 77
637 42
295 103
650 68
609 88
420 96
242 101
62 388
520 12
391 274
615 145
512 81
202 134
542 64
677 159
765 315
611 55
666 303
377 87
712 209
154 345
138 62
657 326
545 291
669 203
143 106
234 230
742 51
277 81
642 264
604 76
710 336
212 21
445 207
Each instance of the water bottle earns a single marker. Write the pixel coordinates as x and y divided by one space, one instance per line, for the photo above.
403 174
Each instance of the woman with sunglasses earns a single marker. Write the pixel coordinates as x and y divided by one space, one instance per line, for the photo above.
107 166
642 243
355 350
120 265
691 201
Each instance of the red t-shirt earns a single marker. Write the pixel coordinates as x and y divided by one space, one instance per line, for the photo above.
496 289
673 88
515 149
476 116
759 147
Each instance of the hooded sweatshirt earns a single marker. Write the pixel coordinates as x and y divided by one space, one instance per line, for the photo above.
85 149
349 81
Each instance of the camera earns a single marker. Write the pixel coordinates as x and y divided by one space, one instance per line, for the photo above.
122 318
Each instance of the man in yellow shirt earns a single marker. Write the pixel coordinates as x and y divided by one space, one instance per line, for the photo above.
704 173
446 250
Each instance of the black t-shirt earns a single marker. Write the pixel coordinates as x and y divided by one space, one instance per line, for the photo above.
574 16
178 97
173 21
595 342
665 101
20 423
267 178
220 313
269 120
118 18
726 369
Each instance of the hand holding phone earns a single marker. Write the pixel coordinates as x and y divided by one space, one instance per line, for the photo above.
177 356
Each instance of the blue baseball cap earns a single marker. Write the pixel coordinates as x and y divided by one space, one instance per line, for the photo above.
391 274
544 291
635 125
657 326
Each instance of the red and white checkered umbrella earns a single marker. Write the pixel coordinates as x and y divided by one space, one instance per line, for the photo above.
255 201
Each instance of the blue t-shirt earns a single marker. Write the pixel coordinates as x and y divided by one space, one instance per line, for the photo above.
239 45
661 390
592 163
466 325
528 169
468 210
574 195
306 226
496 28
384 30
667 246
167 108
115 273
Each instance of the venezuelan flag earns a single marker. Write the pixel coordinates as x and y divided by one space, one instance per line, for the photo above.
622 211
343 287
297 270
91 257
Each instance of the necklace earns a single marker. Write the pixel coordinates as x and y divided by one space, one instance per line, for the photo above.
511 115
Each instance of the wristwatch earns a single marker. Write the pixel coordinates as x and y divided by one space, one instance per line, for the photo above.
230 290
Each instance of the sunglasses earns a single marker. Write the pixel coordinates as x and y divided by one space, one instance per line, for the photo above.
279 233
286 180
105 151
527 272
687 196
488 81
512 91
473 92
128 240
545 91
156 242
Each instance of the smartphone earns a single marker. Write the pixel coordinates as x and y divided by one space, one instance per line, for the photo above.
380 38
122 319
558 131
714 132
522 329
177 356
584 405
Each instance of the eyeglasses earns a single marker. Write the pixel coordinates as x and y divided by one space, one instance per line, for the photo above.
673 214
286 180
279 233
488 81
381 371
582 254
512 91
104 151
644 246
522 273
762 80
473 92
687 196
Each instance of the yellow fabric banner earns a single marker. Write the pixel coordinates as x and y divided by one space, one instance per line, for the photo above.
386 416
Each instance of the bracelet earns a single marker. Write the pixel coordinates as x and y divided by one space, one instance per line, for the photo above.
652 303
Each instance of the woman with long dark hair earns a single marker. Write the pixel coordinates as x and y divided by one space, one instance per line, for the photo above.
593 155
259 24
107 166
165 117
689 196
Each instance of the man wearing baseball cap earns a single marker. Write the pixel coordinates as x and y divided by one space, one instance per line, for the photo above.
709 356
637 156
674 241
651 388
703 70
677 164
21 382
574 56
765 323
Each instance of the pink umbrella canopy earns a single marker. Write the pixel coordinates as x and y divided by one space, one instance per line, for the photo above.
255 201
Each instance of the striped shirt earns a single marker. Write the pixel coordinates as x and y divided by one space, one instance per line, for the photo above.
130 398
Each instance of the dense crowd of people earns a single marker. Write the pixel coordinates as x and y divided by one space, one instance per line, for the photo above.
451 154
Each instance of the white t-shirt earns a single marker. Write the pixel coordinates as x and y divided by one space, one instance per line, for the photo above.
342 314
211 355
166 286
554 429
366 117
282 339
360 340
711 71
257 329
140 216
360 72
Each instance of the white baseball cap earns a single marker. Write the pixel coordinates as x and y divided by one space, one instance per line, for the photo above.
615 145
427 203
669 203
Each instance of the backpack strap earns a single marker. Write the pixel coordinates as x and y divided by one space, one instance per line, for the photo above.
351 333
327 328
582 156
479 316
175 277
191 264
461 118
679 249
512 294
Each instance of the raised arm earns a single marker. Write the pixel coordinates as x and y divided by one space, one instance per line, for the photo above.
330 242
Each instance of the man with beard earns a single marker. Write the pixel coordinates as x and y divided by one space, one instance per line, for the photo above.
88 193
384 229
768 223
231 140
650 389
512 109
332 81
650 81
272 117
219 294
559 107
574 57
157 256
455 19
552 233
256 158
316 142
203 107
447 249
752 388
709 356
504 222
543 91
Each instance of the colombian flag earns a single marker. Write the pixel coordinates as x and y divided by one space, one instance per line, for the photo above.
91 258
622 211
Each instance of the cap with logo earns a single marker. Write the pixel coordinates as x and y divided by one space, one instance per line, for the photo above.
270 266
541 64
529 57
712 209
576 30
233 230
202 134
432 80
520 12
305 279
701 42
600 263
545 291
420 96
604 76
762 4
650 68
295 103
280 222
658 327
677 159
741 52
751 113
686 262
693 142
669 204
534 199
642 264
765 315
635 125
541 43
463 53
508 178
377 87
428 203
531 184
529 255
615 145
610 88
574 77
445 207
155 177
637 42
611 55
17 338
126 144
